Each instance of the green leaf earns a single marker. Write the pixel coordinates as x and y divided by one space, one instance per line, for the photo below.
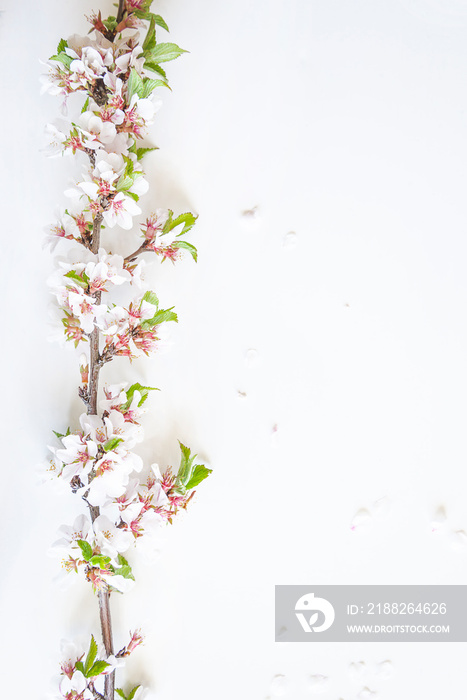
124 182
91 657
62 57
155 68
132 195
110 23
133 692
121 693
187 219
189 247
112 444
97 668
150 39
200 473
134 84
124 569
85 548
60 435
162 316
62 45
144 391
80 666
164 52
82 281
186 465
85 106
151 298
100 561
150 84
150 16
140 152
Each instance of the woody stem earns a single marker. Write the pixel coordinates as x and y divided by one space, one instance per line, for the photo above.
94 367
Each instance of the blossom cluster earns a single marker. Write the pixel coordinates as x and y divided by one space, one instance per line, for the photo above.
80 670
98 463
126 502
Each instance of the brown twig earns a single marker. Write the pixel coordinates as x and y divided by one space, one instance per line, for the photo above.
143 248
95 364
121 9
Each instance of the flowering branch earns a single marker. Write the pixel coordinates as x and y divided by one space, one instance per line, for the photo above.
117 76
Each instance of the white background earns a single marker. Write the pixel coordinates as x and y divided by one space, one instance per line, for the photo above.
342 121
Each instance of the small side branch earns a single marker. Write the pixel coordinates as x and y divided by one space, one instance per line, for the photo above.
143 248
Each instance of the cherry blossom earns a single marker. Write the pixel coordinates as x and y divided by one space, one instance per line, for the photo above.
121 211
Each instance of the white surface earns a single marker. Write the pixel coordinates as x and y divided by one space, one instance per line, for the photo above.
342 121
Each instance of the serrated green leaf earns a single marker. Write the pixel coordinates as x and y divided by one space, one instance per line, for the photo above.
72 275
150 84
162 316
62 57
121 693
144 391
91 656
150 39
132 195
85 548
186 465
133 692
155 68
134 84
200 473
80 666
124 182
124 569
140 152
151 298
59 435
151 16
112 444
164 52
188 246
187 219
97 668
62 45
85 106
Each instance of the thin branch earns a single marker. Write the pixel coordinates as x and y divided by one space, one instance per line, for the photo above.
121 9
94 367
95 692
143 248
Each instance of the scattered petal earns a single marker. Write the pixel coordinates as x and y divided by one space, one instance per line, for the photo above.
458 539
382 506
251 357
279 685
318 684
385 669
439 519
361 518
357 669
290 240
